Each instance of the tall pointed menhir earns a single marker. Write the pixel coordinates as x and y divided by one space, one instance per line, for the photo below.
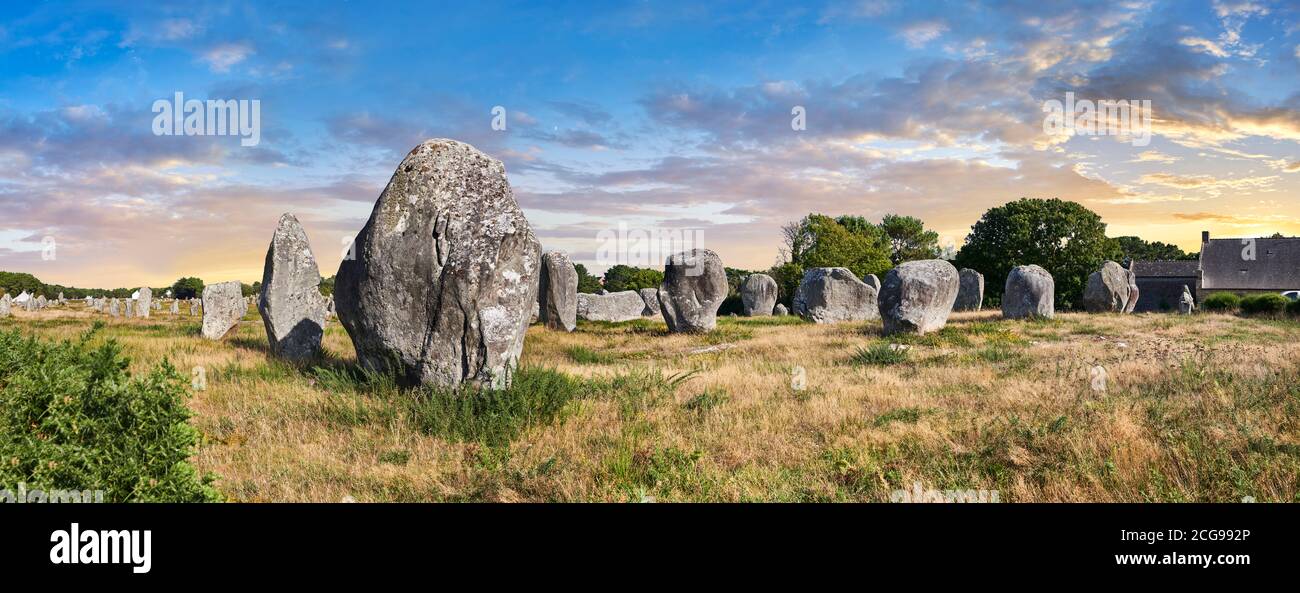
291 304
444 274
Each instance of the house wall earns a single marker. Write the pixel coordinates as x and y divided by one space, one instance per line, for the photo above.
1162 294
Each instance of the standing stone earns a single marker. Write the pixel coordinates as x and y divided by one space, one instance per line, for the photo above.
194 307
1132 288
1186 304
176 307
1107 290
6 304
970 294
1029 292
146 301
649 296
223 307
292 307
780 310
624 305
695 284
758 295
41 303
445 272
832 295
557 299
157 305
537 312
872 281
330 311
114 308
917 296
130 306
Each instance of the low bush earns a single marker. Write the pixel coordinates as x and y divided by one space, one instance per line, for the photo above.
1222 302
73 418
1264 304
1293 307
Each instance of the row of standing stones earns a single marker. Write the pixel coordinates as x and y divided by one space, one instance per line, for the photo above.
446 276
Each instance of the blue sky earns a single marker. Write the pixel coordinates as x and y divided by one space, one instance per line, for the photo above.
664 114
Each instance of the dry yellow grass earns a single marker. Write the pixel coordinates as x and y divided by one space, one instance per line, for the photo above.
1196 408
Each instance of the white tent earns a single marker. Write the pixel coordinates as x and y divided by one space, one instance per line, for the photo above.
135 296
22 298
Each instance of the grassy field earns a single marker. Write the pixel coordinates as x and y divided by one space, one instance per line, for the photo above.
1200 408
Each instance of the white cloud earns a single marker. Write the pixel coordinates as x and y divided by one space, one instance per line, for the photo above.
918 34
222 57
1204 46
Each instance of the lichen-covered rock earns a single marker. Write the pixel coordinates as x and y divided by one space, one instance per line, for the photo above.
1132 289
872 281
1107 290
650 296
758 295
558 297
223 307
292 307
624 305
970 292
145 303
917 296
833 295
780 310
1186 303
1029 293
445 272
694 286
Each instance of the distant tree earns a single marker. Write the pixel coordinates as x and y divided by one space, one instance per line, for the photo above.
586 282
848 241
16 282
621 277
327 286
788 276
250 289
1065 238
1136 248
188 287
908 239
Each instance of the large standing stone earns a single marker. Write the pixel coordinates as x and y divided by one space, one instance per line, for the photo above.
194 307
292 307
1186 304
445 272
41 303
1107 290
970 293
114 308
557 299
624 305
6 304
780 310
145 302
1029 292
758 295
175 308
695 284
650 296
223 307
832 295
1132 288
872 281
917 296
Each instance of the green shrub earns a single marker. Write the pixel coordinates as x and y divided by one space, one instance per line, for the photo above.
1224 302
1293 307
879 354
73 418
1264 304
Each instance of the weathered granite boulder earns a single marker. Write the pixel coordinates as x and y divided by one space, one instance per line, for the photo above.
1132 289
872 281
833 295
41 303
445 272
650 296
558 297
292 307
144 303
694 286
970 292
780 310
1029 292
758 295
223 307
624 305
917 296
1107 290
1186 303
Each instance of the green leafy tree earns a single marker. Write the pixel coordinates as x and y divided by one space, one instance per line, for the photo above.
1134 248
848 241
188 287
327 286
586 282
1065 238
16 282
788 276
621 277
908 239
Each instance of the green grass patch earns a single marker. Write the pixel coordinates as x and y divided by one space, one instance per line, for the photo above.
879 354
